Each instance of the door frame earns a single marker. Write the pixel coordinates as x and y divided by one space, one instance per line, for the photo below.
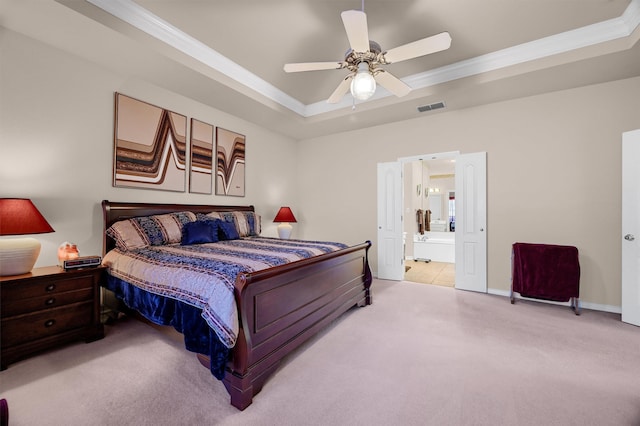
449 154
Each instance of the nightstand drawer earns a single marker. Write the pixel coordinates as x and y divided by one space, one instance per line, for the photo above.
53 300
26 290
46 308
25 328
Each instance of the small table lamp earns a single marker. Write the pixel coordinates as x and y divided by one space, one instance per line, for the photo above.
285 216
18 216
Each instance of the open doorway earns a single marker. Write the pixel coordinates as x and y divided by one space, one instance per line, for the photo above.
429 225
470 221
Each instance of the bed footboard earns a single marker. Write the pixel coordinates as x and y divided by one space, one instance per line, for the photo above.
283 307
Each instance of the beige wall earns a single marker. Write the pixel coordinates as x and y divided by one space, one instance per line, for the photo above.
56 144
554 176
553 162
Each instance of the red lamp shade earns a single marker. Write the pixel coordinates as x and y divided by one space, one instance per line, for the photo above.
285 215
18 216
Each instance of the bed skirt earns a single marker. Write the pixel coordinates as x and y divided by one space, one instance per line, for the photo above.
186 319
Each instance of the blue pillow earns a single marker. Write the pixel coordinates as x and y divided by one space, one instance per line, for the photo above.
227 230
200 232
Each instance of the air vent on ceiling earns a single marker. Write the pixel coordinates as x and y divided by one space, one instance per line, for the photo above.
431 107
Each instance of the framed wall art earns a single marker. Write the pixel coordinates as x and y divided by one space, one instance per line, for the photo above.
201 165
149 147
230 164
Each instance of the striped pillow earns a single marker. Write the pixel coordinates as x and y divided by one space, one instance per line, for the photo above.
144 231
248 224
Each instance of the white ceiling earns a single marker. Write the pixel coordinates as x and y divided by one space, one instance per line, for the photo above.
229 54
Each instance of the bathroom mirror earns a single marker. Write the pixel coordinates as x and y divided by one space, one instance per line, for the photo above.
435 205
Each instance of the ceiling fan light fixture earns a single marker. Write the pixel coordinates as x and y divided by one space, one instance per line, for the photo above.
363 85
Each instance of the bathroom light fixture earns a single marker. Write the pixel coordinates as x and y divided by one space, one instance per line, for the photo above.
363 85
18 216
285 216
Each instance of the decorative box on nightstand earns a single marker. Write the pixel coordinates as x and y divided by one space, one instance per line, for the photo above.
46 308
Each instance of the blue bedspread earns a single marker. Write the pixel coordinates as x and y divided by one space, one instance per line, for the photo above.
174 284
187 319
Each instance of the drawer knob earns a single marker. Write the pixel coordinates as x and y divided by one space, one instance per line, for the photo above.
49 323
50 287
50 301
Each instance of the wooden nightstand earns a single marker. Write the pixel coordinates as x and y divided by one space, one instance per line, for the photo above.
46 308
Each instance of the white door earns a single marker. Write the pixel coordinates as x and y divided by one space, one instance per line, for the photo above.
390 244
471 222
631 227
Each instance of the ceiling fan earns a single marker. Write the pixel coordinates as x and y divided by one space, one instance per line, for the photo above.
365 59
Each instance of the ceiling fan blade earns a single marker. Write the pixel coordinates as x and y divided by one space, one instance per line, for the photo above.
417 48
313 66
341 90
392 83
355 24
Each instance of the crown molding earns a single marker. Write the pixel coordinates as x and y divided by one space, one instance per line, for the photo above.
142 19
145 21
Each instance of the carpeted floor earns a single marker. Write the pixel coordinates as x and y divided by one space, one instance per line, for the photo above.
420 355
437 273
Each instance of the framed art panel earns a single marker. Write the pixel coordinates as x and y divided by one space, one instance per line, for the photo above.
230 168
150 146
201 170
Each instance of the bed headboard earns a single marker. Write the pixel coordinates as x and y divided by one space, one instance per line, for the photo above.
115 211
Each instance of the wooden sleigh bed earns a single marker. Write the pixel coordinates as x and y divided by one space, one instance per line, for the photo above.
278 308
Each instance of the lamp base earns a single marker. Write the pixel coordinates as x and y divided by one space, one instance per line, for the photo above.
18 255
284 231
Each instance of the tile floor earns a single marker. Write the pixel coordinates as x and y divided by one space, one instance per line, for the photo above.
437 273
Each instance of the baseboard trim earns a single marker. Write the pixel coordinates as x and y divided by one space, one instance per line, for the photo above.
586 305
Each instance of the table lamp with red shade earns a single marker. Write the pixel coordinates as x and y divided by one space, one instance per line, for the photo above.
285 217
